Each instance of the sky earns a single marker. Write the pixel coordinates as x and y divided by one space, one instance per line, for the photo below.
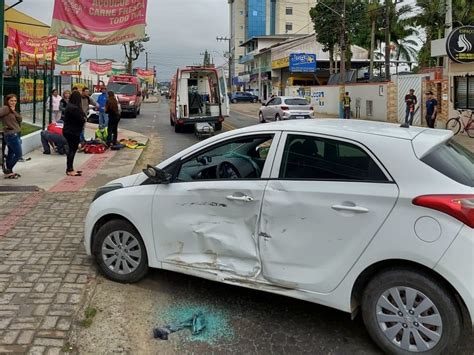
179 31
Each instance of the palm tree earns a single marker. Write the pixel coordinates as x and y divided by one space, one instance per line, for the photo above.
403 33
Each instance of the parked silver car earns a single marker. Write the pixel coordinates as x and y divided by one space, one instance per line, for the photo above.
285 108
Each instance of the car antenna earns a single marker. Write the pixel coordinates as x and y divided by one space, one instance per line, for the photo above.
405 125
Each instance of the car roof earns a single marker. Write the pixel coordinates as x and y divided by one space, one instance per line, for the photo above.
344 128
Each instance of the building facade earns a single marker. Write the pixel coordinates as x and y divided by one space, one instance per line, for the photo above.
255 18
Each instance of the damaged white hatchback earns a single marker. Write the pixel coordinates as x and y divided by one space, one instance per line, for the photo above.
345 213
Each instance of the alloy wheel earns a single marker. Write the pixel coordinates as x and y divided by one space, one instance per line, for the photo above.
121 252
409 319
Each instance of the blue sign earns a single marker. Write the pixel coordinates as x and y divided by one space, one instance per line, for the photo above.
302 63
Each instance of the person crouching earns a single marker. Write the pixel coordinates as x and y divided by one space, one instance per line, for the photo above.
53 137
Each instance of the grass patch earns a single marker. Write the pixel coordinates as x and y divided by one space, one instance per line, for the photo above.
89 314
27 128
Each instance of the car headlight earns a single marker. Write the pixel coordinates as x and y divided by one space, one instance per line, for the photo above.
132 103
104 189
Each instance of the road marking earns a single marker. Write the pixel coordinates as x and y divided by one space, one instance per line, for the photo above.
228 126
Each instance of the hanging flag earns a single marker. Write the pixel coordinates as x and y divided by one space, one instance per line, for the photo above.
145 75
29 46
68 55
102 68
118 68
103 22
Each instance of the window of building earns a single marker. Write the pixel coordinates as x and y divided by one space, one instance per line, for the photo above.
464 92
288 27
240 42
289 11
316 158
242 13
241 27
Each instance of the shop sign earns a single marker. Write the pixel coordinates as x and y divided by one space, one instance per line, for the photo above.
70 72
302 63
280 63
460 45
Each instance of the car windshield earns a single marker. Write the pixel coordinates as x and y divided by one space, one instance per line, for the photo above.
296 102
454 161
122 88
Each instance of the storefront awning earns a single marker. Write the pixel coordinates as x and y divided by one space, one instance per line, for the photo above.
22 22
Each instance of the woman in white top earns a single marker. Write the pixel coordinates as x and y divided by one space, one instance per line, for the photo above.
56 105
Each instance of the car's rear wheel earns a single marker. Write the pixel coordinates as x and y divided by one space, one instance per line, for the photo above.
408 312
261 118
254 101
120 252
234 101
454 125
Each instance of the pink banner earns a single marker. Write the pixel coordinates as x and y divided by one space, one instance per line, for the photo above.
99 21
146 75
103 68
41 47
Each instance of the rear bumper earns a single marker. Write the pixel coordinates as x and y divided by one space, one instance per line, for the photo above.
192 121
457 266
296 117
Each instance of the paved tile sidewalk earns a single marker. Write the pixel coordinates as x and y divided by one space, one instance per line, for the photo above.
43 270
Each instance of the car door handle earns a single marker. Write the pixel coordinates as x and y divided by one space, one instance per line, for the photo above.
244 198
357 209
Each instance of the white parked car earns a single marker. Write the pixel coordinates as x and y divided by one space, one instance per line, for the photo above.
345 213
285 108
95 97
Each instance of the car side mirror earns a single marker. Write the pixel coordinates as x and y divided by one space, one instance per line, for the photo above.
156 175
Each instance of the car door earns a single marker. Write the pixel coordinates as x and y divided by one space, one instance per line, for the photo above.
266 110
326 201
208 220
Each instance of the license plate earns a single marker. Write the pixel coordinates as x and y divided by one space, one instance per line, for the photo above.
299 117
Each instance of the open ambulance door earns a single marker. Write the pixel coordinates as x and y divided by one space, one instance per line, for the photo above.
224 97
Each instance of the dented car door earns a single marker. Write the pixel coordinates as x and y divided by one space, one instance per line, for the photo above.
326 202
208 216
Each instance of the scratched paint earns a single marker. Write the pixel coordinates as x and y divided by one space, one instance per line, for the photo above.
218 327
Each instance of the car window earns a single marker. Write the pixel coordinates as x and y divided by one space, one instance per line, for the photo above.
454 161
242 158
277 101
296 102
307 157
271 102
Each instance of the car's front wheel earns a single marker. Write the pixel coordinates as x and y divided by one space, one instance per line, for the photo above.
120 252
408 312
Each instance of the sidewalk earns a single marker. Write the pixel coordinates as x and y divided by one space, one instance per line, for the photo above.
47 172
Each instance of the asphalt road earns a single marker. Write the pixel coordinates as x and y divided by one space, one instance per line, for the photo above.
240 320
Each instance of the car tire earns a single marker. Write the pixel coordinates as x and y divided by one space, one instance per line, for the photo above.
260 117
133 114
178 128
132 263
277 117
218 126
381 314
234 101
254 101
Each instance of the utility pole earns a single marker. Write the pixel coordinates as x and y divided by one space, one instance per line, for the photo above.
388 7
449 18
146 60
342 73
230 59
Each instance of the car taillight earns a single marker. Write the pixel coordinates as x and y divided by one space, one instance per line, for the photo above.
311 108
284 108
460 207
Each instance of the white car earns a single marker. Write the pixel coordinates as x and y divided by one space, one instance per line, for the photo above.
345 213
285 108
95 97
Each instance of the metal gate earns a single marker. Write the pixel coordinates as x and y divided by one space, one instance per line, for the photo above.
405 83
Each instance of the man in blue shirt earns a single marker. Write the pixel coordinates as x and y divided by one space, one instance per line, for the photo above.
431 109
101 101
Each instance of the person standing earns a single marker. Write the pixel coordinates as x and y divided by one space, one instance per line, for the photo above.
431 109
86 100
11 126
346 102
410 101
101 101
64 102
111 108
74 120
55 102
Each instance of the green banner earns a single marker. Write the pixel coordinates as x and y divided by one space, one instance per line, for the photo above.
68 55
118 71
